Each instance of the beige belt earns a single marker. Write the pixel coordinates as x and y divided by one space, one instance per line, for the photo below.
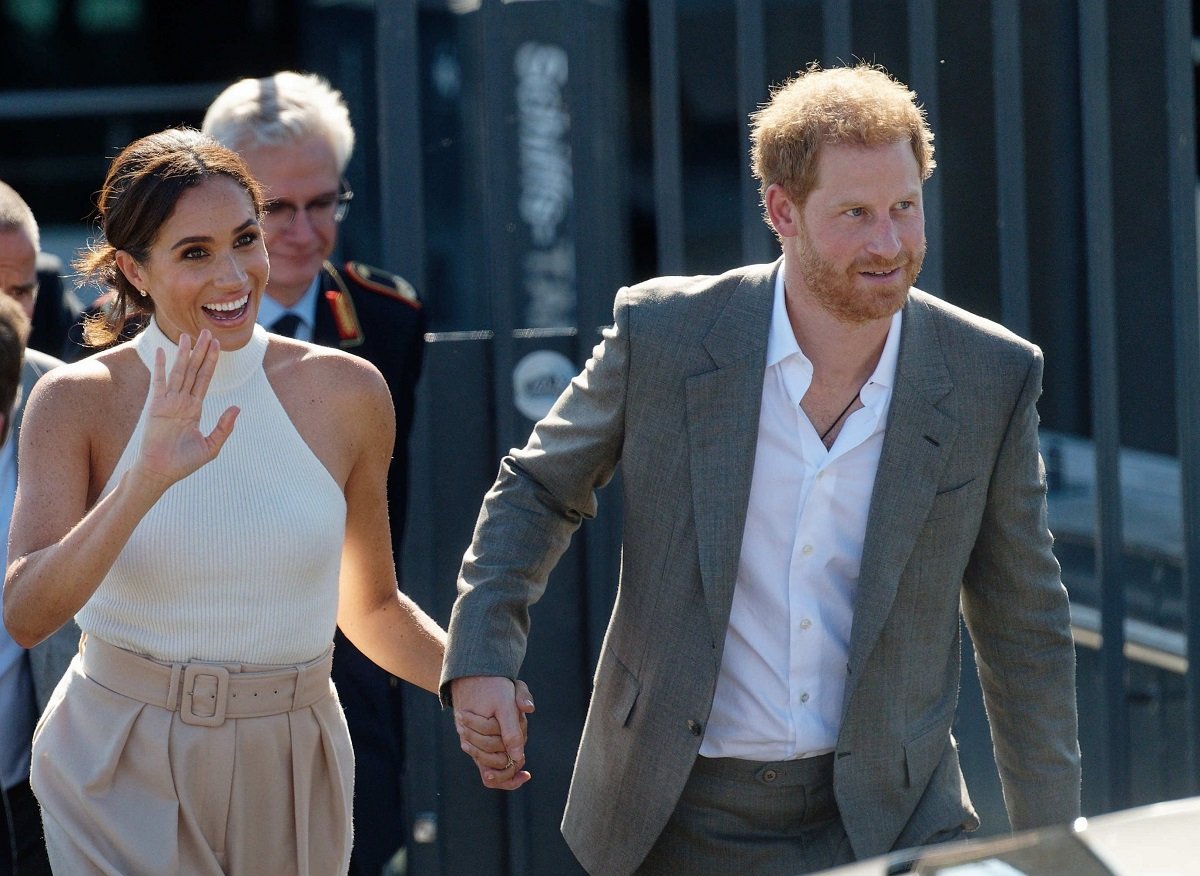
206 693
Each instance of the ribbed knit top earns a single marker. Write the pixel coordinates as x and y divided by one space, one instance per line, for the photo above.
238 562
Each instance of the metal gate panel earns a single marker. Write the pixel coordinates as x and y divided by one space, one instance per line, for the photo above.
1023 103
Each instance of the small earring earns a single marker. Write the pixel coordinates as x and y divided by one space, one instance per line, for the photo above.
144 292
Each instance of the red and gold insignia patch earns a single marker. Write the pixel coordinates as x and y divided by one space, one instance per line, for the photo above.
382 283
345 319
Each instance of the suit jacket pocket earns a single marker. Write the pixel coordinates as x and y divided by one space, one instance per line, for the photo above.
922 754
956 500
616 689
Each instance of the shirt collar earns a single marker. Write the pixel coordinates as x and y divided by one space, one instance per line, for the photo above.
270 310
781 341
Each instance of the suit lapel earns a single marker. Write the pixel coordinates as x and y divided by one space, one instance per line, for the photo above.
918 439
722 416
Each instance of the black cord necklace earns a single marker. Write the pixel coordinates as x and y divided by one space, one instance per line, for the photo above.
845 410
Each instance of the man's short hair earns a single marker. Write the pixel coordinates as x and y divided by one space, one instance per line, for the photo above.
860 105
14 331
15 214
284 108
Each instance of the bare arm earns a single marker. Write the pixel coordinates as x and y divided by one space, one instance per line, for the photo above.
62 550
383 623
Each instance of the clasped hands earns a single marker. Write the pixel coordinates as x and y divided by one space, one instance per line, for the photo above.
490 717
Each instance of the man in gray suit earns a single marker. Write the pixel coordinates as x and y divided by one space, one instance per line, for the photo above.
822 466
26 677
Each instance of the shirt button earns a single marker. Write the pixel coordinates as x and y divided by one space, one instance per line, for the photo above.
804 697
806 550
805 624
696 727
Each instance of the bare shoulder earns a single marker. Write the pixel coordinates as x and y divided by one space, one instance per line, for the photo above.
325 370
82 414
78 390
338 403
321 385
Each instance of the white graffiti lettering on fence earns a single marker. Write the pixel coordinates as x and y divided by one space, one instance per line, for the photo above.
546 184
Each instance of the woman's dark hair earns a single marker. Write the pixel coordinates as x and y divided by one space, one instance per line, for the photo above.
144 183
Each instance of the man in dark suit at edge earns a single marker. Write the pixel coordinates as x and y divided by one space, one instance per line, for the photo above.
294 132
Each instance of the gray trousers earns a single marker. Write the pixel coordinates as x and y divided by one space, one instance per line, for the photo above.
748 817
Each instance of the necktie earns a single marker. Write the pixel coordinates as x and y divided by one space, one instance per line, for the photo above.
286 325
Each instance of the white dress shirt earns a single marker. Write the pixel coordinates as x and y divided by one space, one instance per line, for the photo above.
783 672
305 309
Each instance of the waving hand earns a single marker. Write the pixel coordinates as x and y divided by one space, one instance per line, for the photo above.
172 444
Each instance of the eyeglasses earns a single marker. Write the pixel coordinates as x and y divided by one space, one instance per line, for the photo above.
323 210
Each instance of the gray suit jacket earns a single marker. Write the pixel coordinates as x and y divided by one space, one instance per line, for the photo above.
957 517
49 659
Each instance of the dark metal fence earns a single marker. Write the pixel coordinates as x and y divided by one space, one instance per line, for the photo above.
533 155
1050 124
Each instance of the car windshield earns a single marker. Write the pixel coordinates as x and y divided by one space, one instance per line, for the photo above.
1038 853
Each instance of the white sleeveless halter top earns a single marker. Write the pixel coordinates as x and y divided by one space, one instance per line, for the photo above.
238 562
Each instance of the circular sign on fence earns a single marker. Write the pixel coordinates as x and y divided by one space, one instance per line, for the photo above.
538 379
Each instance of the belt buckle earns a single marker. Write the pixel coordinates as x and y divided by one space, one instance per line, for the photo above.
196 686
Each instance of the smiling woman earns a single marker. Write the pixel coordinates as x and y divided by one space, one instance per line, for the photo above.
207 565
162 206
208 268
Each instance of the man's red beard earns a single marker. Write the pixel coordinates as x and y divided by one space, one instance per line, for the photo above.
837 291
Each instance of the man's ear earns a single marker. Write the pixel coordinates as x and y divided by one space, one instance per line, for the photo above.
128 266
783 212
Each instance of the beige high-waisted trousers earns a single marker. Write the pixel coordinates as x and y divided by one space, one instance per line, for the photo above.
149 768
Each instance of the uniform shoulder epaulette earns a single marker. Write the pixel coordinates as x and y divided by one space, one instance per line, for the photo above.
382 282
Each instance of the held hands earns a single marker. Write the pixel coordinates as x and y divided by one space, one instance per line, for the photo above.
490 716
172 444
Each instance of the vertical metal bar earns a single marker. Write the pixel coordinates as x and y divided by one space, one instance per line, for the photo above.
1181 180
752 84
498 245
1010 165
402 240
1102 296
923 78
593 33
668 150
503 298
598 125
401 189
835 14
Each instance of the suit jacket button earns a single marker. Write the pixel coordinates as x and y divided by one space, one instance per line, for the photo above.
696 727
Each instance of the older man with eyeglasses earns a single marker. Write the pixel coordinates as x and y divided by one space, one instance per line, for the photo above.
293 131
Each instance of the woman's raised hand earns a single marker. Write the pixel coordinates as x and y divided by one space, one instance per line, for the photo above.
172 444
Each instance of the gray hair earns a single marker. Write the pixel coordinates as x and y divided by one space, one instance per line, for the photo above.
15 215
284 108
